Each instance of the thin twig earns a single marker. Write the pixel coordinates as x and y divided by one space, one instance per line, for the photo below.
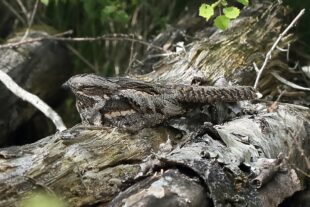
255 67
161 55
122 37
83 39
288 52
281 49
299 170
274 105
24 10
296 65
33 99
31 40
268 55
289 83
33 13
9 6
131 58
30 21
83 59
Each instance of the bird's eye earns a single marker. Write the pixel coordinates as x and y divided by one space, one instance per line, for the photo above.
87 88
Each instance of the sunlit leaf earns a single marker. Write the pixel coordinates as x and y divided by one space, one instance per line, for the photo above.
206 11
121 17
45 2
244 2
221 22
224 3
109 9
231 12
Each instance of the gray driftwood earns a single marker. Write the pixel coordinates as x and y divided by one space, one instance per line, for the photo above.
252 160
250 144
86 166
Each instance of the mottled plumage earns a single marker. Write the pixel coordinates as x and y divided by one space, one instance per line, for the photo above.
133 104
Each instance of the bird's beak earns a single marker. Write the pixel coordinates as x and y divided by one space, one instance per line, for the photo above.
65 85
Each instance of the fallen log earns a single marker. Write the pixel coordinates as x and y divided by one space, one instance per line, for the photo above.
227 168
86 166
247 160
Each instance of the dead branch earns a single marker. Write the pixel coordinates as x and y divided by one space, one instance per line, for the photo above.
33 99
268 55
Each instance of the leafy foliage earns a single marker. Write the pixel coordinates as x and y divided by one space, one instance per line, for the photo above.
229 12
221 22
91 18
244 2
45 2
206 11
106 10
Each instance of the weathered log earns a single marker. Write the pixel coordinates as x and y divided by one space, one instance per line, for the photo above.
248 161
170 188
39 67
86 166
226 165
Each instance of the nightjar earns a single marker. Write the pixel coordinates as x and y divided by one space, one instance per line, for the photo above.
133 104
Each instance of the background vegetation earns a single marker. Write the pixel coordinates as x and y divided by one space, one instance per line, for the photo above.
143 18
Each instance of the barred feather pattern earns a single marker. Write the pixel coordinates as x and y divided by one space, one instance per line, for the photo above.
133 104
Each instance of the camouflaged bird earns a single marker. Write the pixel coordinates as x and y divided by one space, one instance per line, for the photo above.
133 104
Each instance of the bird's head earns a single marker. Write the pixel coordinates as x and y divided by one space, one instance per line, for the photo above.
89 83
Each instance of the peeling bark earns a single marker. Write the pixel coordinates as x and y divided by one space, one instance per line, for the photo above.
249 160
86 166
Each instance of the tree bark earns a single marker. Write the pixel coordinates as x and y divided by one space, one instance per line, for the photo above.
247 161
86 166
248 144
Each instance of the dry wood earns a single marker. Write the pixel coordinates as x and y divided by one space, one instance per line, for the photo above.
88 165
248 161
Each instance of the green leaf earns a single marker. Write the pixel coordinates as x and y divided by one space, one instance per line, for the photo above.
121 17
206 11
231 12
45 2
107 13
221 22
224 3
244 2
109 9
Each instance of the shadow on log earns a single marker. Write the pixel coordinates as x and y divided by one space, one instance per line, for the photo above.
39 67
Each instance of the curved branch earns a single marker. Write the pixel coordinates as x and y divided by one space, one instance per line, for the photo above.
33 99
